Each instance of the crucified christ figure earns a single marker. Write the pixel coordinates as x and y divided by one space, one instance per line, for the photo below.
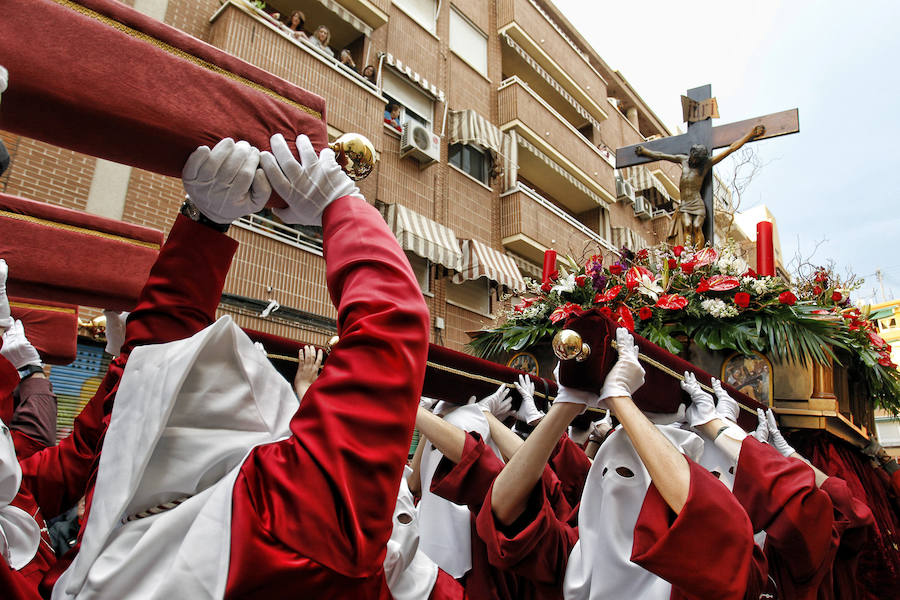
695 167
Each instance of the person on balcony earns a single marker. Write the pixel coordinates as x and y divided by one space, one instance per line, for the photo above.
369 73
295 24
392 115
347 60
320 40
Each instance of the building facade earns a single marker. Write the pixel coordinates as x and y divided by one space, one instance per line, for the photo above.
495 124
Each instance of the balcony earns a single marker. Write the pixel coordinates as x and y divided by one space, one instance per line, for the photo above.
354 103
538 124
530 224
545 42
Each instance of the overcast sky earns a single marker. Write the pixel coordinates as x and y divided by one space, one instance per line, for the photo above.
838 62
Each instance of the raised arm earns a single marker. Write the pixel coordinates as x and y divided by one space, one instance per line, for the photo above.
448 439
675 158
753 133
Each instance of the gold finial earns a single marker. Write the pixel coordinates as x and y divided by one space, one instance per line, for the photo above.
355 153
567 344
331 343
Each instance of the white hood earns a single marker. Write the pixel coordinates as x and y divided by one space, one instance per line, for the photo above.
600 563
410 574
20 535
444 527
186 415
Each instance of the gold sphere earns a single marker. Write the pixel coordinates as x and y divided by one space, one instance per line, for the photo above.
331 343
356 155
567 344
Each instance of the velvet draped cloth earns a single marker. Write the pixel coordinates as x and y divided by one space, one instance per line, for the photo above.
101 78
51 327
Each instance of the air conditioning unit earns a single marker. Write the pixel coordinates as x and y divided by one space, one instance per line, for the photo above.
642 208
624 190
420 143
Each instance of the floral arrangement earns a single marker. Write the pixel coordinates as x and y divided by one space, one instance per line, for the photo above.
711 297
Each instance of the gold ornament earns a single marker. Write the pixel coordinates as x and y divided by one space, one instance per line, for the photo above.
331 343
567 344
355 153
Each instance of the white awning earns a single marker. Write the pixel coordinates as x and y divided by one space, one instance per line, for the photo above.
481 261
422 236
561 171
468 127
347 16
399 66
644 181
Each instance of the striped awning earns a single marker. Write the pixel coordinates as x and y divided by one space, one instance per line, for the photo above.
551 81
561 171
347 16
481 261
623 237
468 127
422 236
644 181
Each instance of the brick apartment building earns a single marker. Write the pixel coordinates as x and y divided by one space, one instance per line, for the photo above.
510 124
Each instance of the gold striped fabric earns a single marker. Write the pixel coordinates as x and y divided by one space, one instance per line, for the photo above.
481 261
422 236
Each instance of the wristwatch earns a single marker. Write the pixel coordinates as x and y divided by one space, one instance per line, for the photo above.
29 370
190 210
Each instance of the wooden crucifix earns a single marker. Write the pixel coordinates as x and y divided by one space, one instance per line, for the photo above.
693 150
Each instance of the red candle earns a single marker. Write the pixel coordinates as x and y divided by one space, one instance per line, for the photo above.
549 265
765 251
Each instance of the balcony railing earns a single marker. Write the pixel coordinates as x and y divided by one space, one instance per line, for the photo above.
530 223
535 31
537 122
299 238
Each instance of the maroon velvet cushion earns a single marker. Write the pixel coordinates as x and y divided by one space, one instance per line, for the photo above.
99 77
51 327
661 391
68 256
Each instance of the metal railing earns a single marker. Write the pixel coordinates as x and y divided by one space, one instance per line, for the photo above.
281 232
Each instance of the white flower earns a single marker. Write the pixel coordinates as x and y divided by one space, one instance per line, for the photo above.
565 284
719 309
648 287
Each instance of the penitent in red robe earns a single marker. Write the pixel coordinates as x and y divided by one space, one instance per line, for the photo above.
467 483
806 527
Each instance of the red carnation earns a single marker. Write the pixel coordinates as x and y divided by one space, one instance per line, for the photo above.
608 294
673 264
677 250
750 273
625 317
546 287
688 267
643 254
580 280
703 286
817 290
672 302
645 313
606 311
615 269
836 296
787 298
742 299
821 277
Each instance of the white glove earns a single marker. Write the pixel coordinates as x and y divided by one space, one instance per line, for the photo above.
573 396
427 403
17 349
775 438
600 429
498 404
225 183
308 186
4 78
5 319
761 433
262 349
627 375
527 412
727 407
115 331
702 410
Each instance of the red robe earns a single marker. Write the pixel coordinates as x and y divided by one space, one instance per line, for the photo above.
312 513
720 563
467 483
805 525
571 465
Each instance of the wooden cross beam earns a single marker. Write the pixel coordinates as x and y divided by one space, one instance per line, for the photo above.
702 132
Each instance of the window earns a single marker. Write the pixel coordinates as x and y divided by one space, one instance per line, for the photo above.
422 12
474 295
422 269
413 104
467 42
474 161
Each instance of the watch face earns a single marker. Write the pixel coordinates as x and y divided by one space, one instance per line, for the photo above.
525 361
190 210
